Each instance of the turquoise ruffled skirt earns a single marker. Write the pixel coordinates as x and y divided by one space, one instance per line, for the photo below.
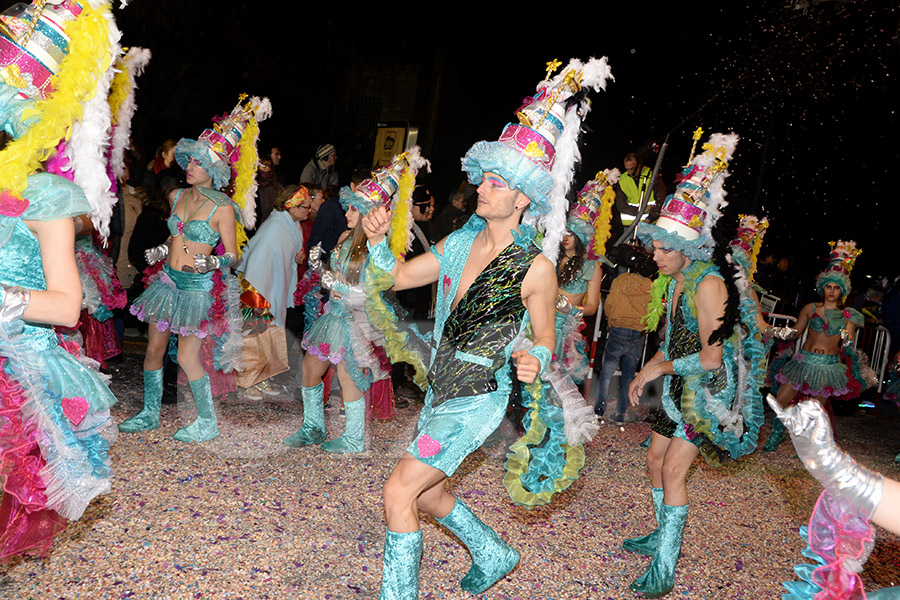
817 375
68 403
177 301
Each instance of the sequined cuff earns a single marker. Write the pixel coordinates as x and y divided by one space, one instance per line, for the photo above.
542 353
688 365
381 256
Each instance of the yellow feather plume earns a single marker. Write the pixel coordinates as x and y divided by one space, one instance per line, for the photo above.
399 242
601 225
246 171
75 83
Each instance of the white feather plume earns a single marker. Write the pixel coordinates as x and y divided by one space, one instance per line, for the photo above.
134 62
717 193
86 148
594 75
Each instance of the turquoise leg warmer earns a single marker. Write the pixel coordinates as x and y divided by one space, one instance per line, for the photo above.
492 558
148 418
402 554
353 439
313 429
206 426
776 437
646 544
660 577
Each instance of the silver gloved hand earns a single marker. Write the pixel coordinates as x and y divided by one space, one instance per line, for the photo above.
844 478
565 306
846 339
13 302
781 333
204 263
156 254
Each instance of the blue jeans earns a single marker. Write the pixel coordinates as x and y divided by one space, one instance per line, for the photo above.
623 345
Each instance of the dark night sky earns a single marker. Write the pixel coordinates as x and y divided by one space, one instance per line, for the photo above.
811 90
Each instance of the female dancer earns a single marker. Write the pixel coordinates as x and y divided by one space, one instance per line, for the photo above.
818 369
341 336
190 294
55 433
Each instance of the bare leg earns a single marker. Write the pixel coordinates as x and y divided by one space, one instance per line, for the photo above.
678 459
189 356
655 456
401 492
157 344
786 395
313 370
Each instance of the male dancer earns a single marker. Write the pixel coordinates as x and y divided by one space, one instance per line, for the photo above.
494 286
711 406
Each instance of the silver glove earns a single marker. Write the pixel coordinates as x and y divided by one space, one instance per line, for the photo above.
844 478
204 263
315 258
156 254
13 302
846 339
781 333
565 306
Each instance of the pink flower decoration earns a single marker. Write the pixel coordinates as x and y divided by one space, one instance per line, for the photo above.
689 431
12 204
446 283
324 348
427 446
846 313
180 226
75 409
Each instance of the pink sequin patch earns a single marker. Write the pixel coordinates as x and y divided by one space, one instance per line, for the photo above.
75 409
12 205
428 446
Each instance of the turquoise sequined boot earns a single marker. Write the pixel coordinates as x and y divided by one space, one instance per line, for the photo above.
148 418
776 437
646 544
353 439
492 558
660 577
402 554
206 427
313 429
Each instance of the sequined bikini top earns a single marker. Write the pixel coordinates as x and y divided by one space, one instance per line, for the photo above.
195 230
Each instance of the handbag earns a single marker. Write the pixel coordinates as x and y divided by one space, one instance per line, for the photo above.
265 355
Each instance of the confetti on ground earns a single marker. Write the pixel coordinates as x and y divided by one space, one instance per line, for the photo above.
244 517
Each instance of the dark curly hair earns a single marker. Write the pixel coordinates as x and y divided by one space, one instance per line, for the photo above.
569 271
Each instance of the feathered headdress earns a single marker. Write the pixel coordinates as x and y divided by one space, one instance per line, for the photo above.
840 262
122 105
688 216
537 155
55 67
590 215
229 148
391 186
747 242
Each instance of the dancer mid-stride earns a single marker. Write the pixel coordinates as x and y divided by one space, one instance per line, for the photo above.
493 282
195 295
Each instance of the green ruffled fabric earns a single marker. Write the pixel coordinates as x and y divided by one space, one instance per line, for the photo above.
536 471
702 412
383 318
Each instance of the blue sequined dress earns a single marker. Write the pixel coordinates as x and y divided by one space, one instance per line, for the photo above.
55 427
571 349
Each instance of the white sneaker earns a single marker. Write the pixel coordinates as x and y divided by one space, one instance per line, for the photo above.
271 389
253 393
